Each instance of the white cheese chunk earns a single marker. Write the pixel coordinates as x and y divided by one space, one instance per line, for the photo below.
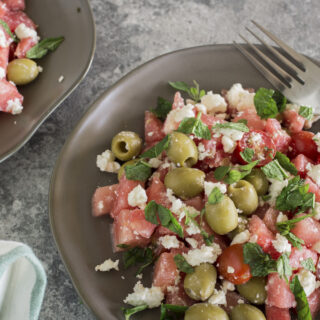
150 296
208 187
106 162
218 298
308 281
2 73
155 163
241 237
205 254
169 242
22 32
239 98
203 153
281 244
108 265
201 108
316 211
281 217
214 103
230 269
137 197
192 229
314 173
193 242
316 139
14 106
228 144
228 286
275 189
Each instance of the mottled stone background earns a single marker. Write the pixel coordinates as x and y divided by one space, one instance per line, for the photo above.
129 32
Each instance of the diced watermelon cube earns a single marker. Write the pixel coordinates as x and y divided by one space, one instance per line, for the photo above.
254 122
279 136
297 255
301 162
274 313
165 271
178 101
178 297
270 219
10 99
314 188
153 128
210 120
293 121
15 4
314 302
23 47
308 230
103 200
278 292
158 192
131 228
195 202
14 18
125 187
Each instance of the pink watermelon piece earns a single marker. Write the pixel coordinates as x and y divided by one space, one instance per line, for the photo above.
178 101
297 255
254 122
270 219
293 121
23 47
274 313
178 296
15 4
279 136
278 293
158 192
301 162
314 188
103 200
314 302
14 18
9 95
153 128
196 202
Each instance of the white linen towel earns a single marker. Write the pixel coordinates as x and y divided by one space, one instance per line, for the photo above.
22 282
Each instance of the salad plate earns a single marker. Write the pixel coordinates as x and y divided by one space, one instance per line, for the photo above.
84 241
63 70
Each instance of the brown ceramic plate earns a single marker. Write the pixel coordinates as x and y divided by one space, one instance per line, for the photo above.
84 241
73 19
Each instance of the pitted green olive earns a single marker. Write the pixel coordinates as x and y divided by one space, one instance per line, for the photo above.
121 171
246 312
258 179
244 196
22 71
254 290
200 284
185 182
126 145
182 150
222 217
205 311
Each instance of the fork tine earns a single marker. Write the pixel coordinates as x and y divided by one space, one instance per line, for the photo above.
271 63
275 81
295 55
293 68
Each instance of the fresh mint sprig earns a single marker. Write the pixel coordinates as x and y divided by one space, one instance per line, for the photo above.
194 92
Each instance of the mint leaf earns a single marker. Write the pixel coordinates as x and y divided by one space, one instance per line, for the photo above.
308 264
295 196
194 92
139 171
283 266
302 308
208 239
247 154
285 163
232 125
163 108
129 312
235 175
180 85
137 255
215 196
8 31
182 264
265 105
43 47
306 112
153 211
165 308
221 172
244 121
157 149
190 217
260 262
280 100
273 170
195 126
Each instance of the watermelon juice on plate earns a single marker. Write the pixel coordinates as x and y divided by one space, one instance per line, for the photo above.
223 198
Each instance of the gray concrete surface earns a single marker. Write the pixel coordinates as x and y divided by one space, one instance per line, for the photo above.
129 32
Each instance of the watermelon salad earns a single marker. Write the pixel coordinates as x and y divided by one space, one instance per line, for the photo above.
223 199
20 45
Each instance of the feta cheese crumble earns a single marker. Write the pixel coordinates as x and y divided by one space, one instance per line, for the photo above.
275 189
218 298
2 73
205 254
316 139
193 242
155 163
107 265
316 211
22 32
314 173
308 281
281 217
281 244
106 162
240 98
208 187
14 106
241 237
203 153
214 103
152 297
137 197
169 242
229 138
61 78
230 269
228 286
192 229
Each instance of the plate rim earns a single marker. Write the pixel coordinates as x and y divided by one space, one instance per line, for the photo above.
74 131
55 105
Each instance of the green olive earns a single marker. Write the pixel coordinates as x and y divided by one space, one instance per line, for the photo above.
182 150
185 182
200 284
254 290
22 71
246 312
205 311
258 179
126 145
222 217
121 170
244 196
242 226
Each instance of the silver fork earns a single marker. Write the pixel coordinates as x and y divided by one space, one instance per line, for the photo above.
293 74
